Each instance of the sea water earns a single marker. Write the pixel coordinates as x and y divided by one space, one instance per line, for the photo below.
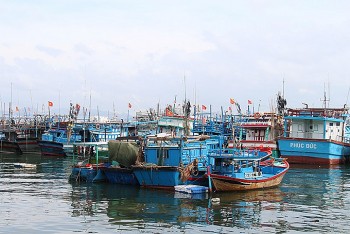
41 200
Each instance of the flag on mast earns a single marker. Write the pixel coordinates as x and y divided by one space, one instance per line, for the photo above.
50 104
250 102
232 101
129 105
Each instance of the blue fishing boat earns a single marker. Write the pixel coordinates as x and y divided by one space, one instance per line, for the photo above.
120 175
240 170
316 136
88 167
169 161
54 140
123 153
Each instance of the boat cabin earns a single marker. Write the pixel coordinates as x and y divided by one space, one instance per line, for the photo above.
316 123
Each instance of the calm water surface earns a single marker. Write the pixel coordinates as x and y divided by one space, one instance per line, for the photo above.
43 201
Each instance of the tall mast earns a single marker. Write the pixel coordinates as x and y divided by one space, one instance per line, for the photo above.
325 100
185 85
90 107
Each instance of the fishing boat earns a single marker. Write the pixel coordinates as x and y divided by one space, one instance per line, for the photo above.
7 146
87 167
316 136
259 130
240 170
123 153
171 161
54 140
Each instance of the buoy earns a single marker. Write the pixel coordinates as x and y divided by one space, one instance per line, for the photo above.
215 200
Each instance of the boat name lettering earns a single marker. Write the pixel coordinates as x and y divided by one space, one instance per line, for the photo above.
303 145
252 174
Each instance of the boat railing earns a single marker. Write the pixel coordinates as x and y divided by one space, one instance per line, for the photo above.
346 139
234 152
304 134
315 135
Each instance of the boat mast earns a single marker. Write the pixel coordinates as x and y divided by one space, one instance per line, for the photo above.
186 110
90 107
325 100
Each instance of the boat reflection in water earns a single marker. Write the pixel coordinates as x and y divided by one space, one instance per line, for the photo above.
135 207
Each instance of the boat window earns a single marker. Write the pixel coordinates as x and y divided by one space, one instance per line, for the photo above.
163 153
300 127
166 153
330 124
338 124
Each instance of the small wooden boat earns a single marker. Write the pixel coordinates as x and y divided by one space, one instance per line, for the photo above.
246 172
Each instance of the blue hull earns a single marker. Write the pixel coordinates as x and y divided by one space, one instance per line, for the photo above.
87 174
160 177
313 151
120 176
165 177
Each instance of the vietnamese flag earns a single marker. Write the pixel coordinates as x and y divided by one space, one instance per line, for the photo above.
50 104
250 102
204 107
232 101
129 105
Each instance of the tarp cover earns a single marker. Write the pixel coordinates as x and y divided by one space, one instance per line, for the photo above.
125 153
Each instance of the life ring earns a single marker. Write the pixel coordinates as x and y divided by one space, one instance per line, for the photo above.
257 115
97 126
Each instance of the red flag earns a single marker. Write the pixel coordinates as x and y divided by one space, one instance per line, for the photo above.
168 112
17 109
250 102
129 105
204 107
232 101
50 103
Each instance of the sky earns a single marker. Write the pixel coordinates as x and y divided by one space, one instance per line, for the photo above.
105 54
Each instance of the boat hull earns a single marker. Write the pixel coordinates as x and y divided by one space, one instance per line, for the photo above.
29 145
313 151
51 148
167 177
222 184
117 175
87 174
10 147
270 176
158 176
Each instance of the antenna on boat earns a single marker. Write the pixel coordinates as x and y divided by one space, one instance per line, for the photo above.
283 88
10 107
325 100
90 106
347 97
185 85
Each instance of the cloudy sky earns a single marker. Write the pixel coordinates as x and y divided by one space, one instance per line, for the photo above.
149 52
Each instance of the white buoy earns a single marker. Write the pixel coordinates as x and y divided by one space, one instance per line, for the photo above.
215 200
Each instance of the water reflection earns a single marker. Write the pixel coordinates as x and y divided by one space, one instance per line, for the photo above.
135 207
310 199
